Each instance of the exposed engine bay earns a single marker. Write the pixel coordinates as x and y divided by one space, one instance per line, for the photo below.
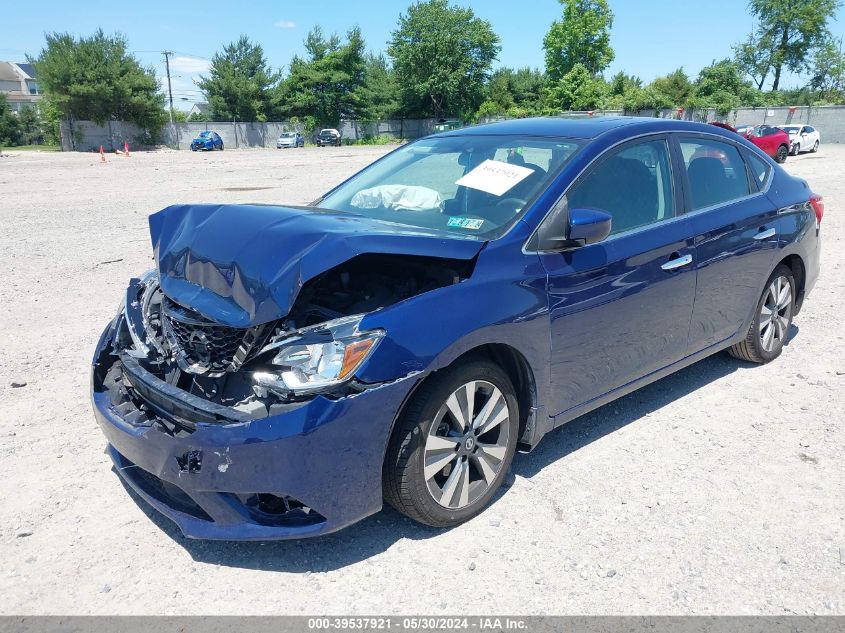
247 373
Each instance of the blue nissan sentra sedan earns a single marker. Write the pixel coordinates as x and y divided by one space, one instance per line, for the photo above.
285 369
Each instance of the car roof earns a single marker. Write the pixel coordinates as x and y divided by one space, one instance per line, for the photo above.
584 128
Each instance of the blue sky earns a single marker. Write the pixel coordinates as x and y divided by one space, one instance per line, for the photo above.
648 42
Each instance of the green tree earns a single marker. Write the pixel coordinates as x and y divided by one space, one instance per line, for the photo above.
675 89
720 86
787 33
579 89
325 84
240 83
754 57
581 36
95 78
31 126
828 68
516 93
378 96
442 56
10 127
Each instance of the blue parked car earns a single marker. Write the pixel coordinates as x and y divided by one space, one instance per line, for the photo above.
284 369
207 141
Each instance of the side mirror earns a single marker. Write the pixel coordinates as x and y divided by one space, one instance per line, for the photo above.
588 226
578 227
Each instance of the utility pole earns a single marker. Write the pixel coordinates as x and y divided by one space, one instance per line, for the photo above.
167 55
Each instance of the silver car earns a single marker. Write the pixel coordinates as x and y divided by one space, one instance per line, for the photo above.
290 139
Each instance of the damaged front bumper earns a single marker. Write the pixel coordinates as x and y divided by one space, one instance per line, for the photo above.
311 469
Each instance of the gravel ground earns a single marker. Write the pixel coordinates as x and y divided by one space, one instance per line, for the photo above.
719 490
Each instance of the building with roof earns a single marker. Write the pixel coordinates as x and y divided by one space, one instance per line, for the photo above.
200 108
18 83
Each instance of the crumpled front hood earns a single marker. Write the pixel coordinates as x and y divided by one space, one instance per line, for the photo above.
243 265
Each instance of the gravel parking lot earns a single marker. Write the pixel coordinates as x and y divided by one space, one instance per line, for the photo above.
720 489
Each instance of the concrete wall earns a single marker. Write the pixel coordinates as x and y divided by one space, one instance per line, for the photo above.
830 120
87 136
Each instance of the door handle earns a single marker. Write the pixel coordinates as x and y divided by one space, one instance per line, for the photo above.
678 262
765 234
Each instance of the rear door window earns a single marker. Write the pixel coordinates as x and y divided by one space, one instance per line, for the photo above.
715 172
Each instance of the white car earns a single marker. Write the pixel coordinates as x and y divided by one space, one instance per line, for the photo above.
290 139
803 138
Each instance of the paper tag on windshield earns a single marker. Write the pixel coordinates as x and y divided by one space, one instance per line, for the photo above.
459 222
493 176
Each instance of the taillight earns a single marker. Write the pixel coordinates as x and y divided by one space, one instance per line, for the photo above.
817 202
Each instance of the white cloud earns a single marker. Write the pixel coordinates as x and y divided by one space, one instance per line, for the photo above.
285 24
192 65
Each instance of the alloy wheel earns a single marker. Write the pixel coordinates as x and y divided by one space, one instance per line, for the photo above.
775 314
467 444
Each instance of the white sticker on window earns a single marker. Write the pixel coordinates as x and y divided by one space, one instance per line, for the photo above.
493 176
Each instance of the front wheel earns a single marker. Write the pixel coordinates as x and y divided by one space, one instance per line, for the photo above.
453 444
221 147
769 329
815 147
796 147
782 153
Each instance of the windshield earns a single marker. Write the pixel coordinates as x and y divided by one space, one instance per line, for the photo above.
472 185
287 135
791 129
205 134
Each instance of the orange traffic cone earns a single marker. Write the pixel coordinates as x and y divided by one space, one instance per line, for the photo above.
102 155
126 149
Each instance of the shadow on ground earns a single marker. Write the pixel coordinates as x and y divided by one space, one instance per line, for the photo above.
389 528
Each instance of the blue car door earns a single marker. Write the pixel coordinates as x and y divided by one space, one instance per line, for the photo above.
620 309
736 237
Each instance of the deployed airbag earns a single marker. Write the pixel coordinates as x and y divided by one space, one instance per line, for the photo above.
399 198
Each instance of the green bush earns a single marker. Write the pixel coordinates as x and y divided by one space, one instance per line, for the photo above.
372 140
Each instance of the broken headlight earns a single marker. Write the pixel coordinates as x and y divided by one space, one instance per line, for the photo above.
316 358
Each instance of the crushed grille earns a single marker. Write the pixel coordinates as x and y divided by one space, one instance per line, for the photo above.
201 346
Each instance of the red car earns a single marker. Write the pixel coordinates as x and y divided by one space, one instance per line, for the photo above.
774 141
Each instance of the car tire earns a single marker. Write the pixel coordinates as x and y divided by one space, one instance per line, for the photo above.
772 318
781 154
796 147
815 147
428 434
221 147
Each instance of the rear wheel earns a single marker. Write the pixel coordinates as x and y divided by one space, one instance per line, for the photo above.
782 153
453 444
221 147
770 327
815 147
